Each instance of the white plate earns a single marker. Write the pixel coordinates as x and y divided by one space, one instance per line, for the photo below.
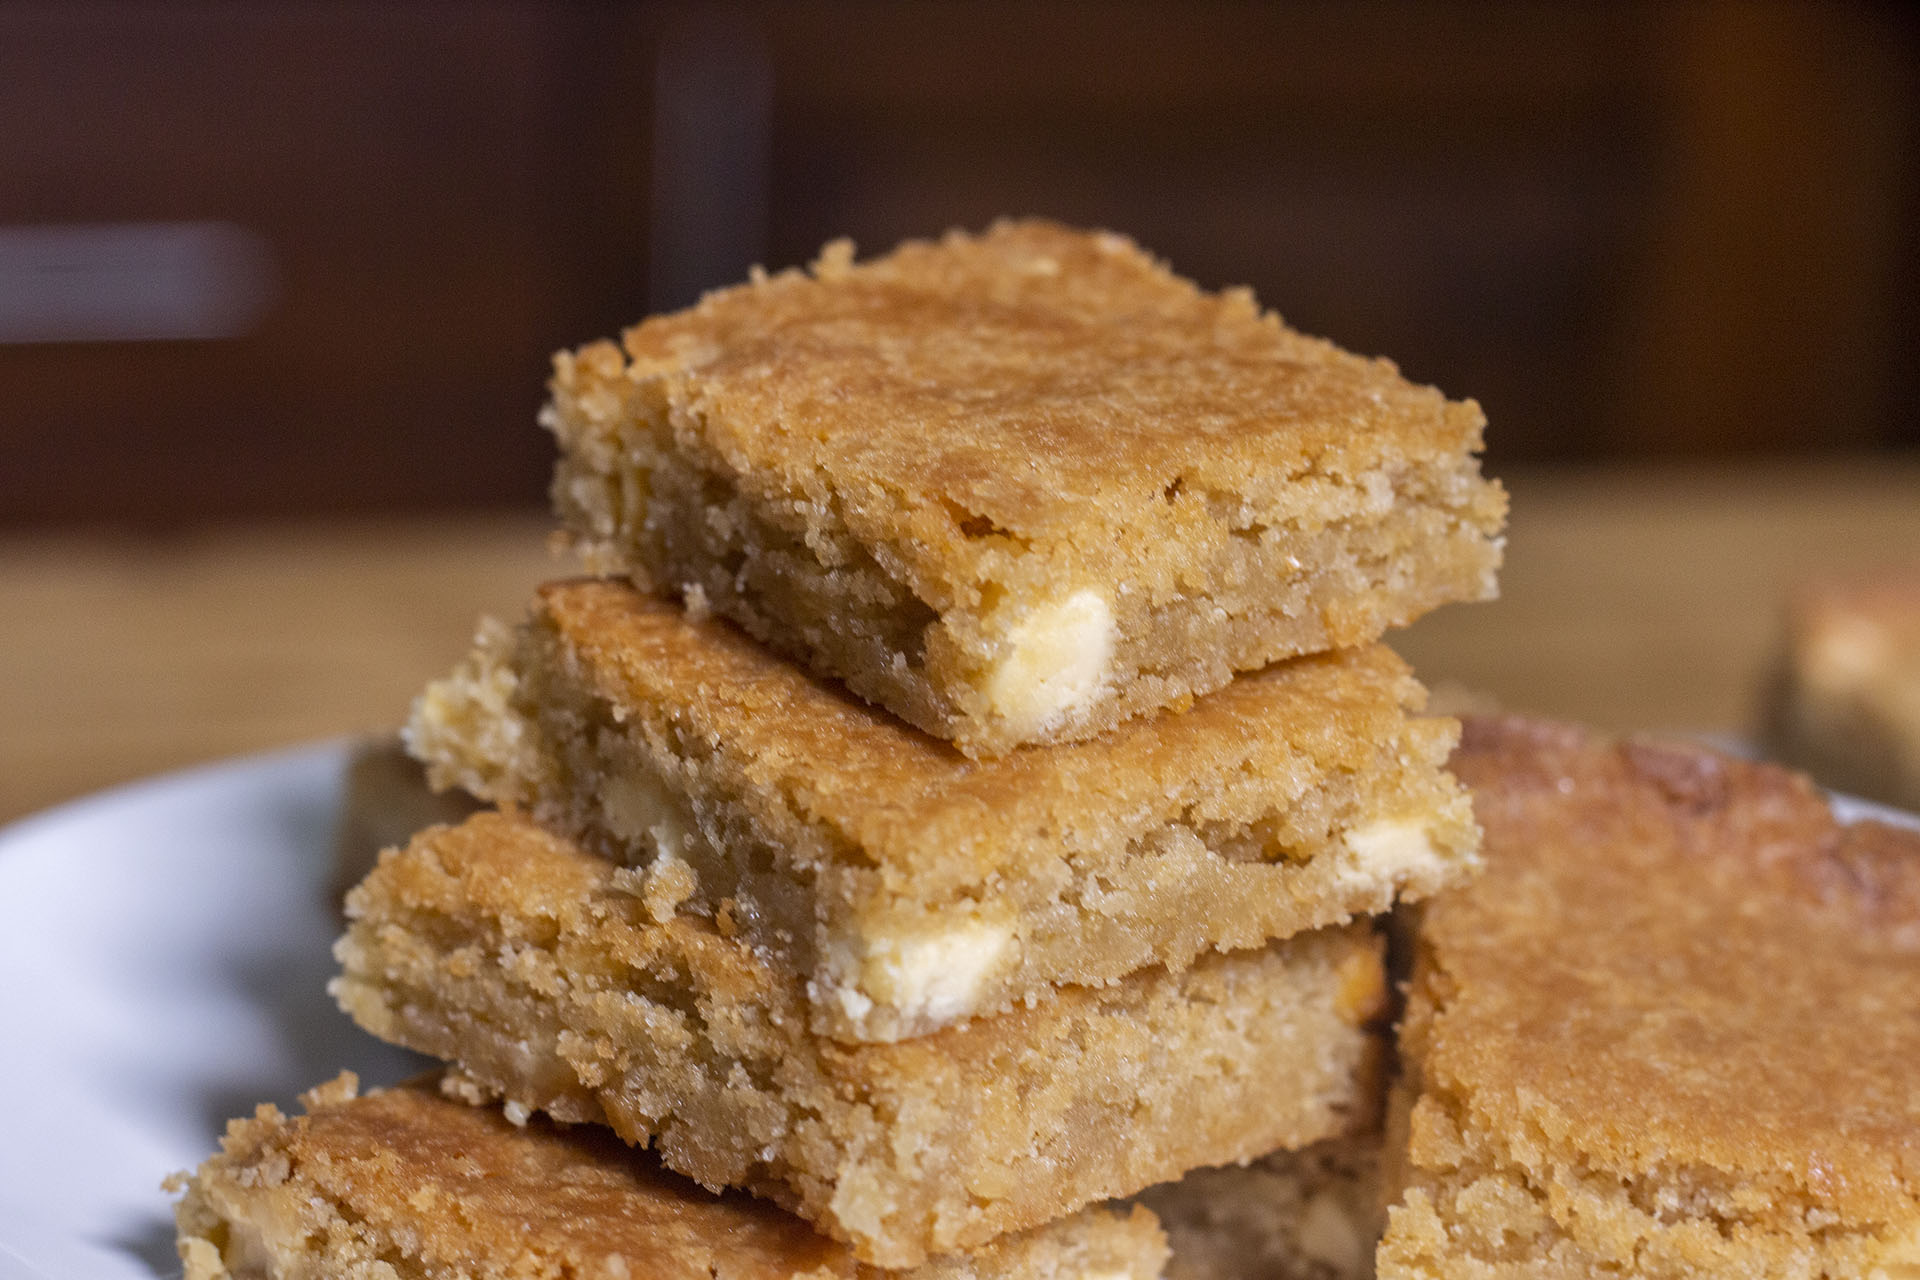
164 954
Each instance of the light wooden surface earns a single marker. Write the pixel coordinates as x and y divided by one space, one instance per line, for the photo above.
1630 599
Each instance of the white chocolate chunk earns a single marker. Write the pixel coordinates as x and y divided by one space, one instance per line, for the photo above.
936 976
1055 663
640 810
1390 849
855 1005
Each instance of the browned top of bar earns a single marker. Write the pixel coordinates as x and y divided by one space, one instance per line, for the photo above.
1028 382
1678 963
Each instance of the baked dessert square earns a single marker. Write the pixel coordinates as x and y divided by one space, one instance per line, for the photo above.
1846 707
1672 1031
406 1183
910 887
1019 486
539 971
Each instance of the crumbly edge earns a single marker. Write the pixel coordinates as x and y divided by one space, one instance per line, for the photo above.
520 722
1246 588
251 1213
1477 1198
1312 1214
227 1222
905 1150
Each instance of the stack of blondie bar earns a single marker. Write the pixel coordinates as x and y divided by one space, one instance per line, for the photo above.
962 800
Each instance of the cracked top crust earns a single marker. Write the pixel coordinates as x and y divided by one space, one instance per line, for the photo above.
1679 964
1029 386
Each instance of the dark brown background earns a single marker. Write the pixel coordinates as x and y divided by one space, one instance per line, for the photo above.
1627 230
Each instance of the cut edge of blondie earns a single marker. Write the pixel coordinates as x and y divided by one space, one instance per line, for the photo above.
404 1183
505 951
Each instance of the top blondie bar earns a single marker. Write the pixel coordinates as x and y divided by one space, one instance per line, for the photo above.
1019 486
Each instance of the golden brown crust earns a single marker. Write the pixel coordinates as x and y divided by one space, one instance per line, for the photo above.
1681 990
892 470
437 1189
1039 379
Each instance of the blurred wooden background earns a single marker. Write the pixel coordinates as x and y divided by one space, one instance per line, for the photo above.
278 283
1628 230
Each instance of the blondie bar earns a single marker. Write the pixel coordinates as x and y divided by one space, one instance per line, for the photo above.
1847 705
1671 1032
1019 486
910 887
404 1184
538 969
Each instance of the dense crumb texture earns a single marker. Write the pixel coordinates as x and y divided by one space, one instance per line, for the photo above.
535 967
1671 1032
1312 1214
1017 487
1847 704
911 887
405 1184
